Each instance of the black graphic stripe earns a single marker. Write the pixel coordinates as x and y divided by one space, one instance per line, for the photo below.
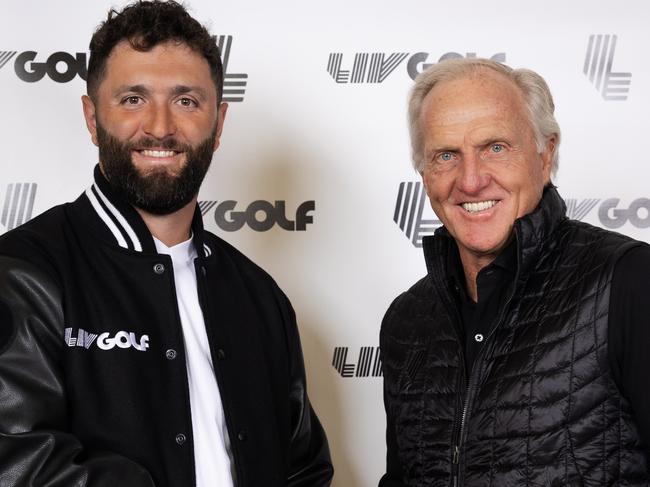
340 354
224 42
422 225
407 198
11 222
5 208
334 63
398 203
377 370
359 67
30 203
5 57
391 63
590 47
414 200
20 214
594 58
206 206
375 68
365 359
603 62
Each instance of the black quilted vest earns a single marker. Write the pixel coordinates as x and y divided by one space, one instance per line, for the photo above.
539 407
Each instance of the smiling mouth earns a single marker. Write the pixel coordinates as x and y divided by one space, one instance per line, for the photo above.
158 153
477 206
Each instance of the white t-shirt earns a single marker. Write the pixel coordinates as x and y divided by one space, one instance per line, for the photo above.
212 453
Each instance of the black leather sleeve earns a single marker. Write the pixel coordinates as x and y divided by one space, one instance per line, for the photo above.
35 449
310 464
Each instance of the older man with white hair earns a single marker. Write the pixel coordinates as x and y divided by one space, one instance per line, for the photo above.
518 359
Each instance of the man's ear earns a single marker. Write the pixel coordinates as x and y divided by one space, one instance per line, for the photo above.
547 158
90 114
221 116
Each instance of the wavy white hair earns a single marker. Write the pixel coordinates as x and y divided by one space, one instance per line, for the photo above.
537 97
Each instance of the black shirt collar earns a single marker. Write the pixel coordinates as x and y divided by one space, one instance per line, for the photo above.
504 268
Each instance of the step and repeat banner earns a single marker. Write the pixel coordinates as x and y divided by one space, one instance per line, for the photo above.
313 178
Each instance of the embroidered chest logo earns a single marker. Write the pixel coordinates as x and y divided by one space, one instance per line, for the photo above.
104 341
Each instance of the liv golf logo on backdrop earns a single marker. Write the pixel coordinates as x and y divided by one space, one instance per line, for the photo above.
611 213
598 68
234 84
63 67
18 204
410 212
375 67
368 362
260 215
415 218
59 66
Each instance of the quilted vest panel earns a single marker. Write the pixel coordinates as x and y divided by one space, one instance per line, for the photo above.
541 407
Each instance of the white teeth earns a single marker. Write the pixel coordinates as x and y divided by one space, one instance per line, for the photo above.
478 205
158 153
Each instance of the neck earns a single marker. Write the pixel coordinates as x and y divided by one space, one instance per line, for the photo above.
170 229
471 267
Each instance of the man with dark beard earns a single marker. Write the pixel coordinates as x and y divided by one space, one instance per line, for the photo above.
136 348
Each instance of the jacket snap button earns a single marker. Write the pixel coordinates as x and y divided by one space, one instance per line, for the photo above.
181 438
159 268
221 354
170 354
242 436
478 337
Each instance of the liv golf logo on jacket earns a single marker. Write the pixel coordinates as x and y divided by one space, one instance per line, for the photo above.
260 215
375 67
62 67
410 212
598 68
18 204
104 341
368 362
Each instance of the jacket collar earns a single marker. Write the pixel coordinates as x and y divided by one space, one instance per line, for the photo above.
531 232
124 226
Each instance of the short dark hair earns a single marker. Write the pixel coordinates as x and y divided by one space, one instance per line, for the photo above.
145 24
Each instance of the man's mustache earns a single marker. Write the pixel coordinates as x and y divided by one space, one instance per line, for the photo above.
169 143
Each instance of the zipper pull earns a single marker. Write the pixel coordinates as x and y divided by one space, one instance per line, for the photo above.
456 454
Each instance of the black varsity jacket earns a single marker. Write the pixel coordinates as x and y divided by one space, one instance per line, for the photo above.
93 383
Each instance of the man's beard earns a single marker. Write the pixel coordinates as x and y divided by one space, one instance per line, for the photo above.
156 192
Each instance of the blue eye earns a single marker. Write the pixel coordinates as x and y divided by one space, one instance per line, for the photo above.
496 148
445 157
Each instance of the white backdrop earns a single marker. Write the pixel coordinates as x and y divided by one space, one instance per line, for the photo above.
299 135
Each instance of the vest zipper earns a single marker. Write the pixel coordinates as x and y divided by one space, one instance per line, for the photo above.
473 376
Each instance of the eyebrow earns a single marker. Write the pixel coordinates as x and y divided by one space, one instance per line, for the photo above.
139 89
183 89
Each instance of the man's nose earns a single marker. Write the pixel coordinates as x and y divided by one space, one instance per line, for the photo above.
472 177
159 122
